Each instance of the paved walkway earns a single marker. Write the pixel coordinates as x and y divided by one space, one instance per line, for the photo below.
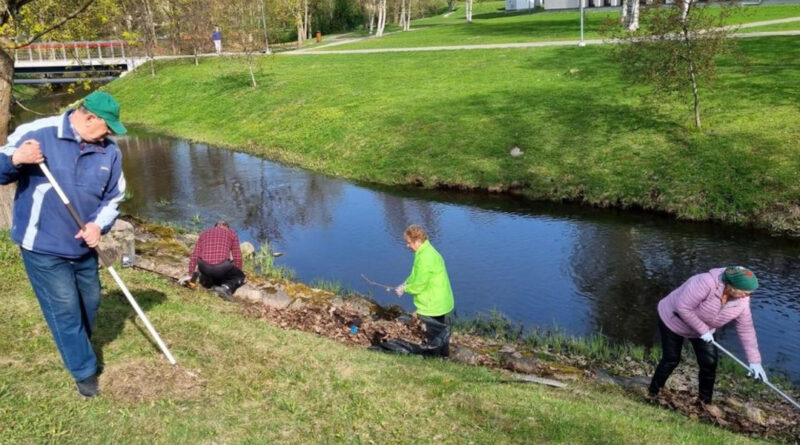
769 22
522 44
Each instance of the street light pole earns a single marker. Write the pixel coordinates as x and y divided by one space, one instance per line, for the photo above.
582 42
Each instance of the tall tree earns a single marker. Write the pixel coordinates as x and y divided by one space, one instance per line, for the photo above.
468 10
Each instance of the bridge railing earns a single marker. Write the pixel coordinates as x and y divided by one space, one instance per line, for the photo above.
89 50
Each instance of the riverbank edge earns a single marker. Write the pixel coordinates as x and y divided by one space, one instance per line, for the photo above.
546 356
778 221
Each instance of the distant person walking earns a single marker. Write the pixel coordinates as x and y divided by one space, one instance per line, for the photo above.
218 259
702 304
216 37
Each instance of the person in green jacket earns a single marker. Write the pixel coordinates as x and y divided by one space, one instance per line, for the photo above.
428 282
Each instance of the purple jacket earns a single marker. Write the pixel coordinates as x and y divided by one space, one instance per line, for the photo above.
696 308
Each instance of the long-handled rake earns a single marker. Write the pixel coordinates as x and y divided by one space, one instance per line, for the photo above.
766 382
108 264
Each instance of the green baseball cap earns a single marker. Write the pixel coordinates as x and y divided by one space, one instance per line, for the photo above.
106 108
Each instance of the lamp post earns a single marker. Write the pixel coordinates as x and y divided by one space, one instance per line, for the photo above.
582 42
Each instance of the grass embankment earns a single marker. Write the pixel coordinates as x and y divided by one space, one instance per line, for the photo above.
242 380
452 117
491 24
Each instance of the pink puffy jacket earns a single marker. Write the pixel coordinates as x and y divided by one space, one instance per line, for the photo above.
696 308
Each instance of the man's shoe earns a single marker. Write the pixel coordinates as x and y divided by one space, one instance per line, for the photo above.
88 387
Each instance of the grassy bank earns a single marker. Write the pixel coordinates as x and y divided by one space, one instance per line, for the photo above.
241 380
450 118
491 24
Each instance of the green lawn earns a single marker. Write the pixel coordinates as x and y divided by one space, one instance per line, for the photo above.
239 380
450 118
492 25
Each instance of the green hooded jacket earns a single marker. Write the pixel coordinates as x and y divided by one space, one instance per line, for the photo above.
429 283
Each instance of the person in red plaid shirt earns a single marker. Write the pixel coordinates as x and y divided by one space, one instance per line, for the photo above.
218 259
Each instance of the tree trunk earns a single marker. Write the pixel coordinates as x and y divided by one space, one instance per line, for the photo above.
685 9
196 60
633 25
381 17
6 79
402 21
408 17
468 5
696 94
299 35
371 19
250 67
623 19
266 30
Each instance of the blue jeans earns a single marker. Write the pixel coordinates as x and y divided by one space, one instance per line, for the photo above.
68 291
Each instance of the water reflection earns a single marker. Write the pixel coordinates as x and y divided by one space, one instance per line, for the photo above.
584 269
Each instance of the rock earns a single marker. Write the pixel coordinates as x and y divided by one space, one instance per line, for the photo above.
464 354
337 301
249 293
247 250
119 241
518 363
361 306
190 239
297 305
516 152
755 415
144 263
169 270
278 300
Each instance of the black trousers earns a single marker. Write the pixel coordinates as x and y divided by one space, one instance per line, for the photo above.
671 345
218 274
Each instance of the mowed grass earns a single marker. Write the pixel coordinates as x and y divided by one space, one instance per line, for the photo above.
239 380
450 118
491 24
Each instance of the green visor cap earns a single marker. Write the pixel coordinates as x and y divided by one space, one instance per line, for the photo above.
740 278
106 108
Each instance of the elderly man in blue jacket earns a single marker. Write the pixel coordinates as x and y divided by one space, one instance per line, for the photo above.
59 257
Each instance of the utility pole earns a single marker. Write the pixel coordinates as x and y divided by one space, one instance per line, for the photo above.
582 42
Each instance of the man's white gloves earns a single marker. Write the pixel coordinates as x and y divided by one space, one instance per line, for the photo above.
708 337
757 372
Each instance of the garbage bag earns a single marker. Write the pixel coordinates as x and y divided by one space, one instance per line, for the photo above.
437 341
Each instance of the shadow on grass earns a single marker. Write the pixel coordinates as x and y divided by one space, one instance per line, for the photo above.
115 310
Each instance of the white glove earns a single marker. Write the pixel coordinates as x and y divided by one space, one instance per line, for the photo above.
708 337
185 280
757 372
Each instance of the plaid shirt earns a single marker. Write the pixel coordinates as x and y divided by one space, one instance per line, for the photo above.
214 246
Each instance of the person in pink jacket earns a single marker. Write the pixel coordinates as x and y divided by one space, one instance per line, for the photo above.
702 304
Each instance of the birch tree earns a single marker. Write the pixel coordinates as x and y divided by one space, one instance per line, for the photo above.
675 50
468 10
381 18
246 21
630 15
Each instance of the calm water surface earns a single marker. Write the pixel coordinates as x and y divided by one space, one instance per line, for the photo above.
584 270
